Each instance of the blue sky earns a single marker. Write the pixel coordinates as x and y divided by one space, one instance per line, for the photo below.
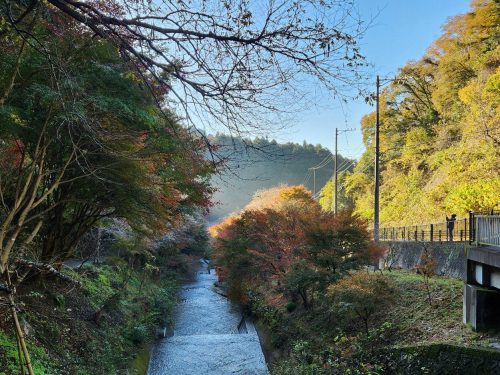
402 31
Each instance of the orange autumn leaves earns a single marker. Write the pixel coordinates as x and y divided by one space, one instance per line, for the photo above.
285 248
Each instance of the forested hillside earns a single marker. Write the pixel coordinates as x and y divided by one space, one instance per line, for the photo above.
440 128
260 163
83 146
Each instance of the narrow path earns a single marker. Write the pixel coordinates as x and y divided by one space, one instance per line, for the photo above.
206 337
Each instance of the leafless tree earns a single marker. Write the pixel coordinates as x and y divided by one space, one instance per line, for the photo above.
226 62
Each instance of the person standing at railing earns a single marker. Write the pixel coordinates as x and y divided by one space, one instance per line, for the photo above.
450 225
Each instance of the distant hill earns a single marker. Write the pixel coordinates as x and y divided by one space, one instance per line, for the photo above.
262 163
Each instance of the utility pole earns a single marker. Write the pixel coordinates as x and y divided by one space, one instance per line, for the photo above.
336 172
376 193
376 223
314 181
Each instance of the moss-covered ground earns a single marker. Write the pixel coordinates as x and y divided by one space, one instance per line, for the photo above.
319 341
100 325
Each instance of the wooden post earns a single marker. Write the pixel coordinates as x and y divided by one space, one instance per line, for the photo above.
432 232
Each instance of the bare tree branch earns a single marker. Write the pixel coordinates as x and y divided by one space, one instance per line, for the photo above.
232 63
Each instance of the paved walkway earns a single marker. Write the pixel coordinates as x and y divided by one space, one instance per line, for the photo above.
206 337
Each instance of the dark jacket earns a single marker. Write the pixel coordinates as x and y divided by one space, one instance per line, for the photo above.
450 223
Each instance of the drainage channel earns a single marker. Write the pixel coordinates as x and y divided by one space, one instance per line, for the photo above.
210 335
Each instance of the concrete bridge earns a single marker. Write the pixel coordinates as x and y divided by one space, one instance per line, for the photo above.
471 252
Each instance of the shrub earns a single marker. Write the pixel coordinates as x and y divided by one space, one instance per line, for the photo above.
361 295
137 334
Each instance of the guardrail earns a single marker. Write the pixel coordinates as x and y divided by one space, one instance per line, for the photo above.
487 228
481 229
435 232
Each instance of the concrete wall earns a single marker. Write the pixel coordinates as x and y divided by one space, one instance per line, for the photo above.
451 257
442 359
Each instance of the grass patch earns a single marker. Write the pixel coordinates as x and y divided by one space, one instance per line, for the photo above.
421 322
408 336
93 329
10 359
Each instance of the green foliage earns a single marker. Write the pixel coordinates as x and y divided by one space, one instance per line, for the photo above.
475 196
133 306
291 306
344 355
116 153
439 128
302 280
95 284
9 358
327 194
360 296
137 334
406 334
84 137
58 299
141 362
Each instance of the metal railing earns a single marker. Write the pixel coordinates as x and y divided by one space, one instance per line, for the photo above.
487 230
480 228
435 232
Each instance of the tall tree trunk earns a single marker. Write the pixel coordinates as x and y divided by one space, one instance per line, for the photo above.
20 354
17 326
20 335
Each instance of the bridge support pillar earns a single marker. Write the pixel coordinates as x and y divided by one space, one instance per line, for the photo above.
481 300
481 307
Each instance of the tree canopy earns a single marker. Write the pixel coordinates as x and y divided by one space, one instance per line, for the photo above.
80 120
221 61
440 128
285 248
82 139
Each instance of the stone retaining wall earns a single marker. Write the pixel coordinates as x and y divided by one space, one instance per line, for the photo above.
451 257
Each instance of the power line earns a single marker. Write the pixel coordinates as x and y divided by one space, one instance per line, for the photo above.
344 164
369 165
319 165
447 138
342 186
349 165
307 177
325 162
